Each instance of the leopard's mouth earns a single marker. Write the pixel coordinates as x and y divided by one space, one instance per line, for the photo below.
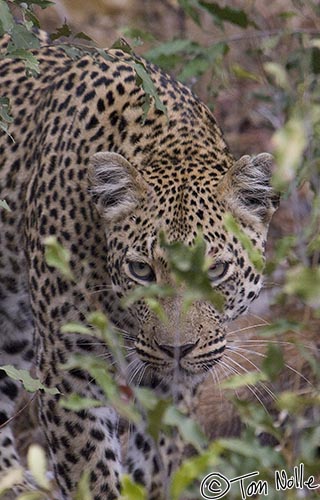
170 367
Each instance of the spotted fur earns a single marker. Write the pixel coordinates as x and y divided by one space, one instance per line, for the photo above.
87 167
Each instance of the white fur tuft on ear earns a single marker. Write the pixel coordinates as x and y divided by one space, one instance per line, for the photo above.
116 186
247 187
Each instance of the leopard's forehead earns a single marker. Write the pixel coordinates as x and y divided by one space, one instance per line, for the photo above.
179 141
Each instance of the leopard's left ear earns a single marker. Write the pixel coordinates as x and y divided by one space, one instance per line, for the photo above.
116 186
247 188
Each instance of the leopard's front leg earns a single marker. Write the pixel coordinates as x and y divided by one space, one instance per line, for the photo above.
152 463
83 442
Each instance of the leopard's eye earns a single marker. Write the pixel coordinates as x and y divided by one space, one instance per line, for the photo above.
141 271
218 271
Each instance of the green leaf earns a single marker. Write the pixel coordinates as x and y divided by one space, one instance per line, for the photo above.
187 427
137 34
99 370
234 16
289 142
131 490
32 18
256 417
194 68
189 266
41 3
146 397
63 30
6 19
242 73
268 456
284 246
171 48
189 7
78 403
280 327
33 495
150 294
305 283
73 52
22 38
155 418
148 86
244 379
37 464
108 334
74 327
99 320
83 490
5 109
255 256
315 60
294 403
30 61
12 477
30 384
279 74
273 363
193 469
123 45
83 36
4 205
58 257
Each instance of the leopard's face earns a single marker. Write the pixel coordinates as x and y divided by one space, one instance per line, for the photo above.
177 344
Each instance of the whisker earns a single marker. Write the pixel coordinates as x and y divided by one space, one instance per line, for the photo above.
259 325
215 377
259 318
255 391
263 385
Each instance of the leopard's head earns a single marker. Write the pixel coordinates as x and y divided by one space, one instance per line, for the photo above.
137 205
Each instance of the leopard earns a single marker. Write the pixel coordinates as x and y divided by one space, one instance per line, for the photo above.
93 161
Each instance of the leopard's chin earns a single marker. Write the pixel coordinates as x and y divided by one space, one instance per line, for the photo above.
168 379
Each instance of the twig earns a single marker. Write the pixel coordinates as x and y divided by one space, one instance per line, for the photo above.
18 412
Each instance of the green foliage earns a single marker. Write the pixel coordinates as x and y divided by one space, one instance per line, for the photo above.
5 120
221 14
187 427
22 39
29 383
284 86
290 142
99 370
193 469
7 481
192 59
37 464
65 31
147 84
3 204
254 254
58 257
190 267
305 283
83 490
77 403
143 79
243 380
131 490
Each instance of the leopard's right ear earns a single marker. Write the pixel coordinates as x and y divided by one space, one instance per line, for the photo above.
117 187
248 191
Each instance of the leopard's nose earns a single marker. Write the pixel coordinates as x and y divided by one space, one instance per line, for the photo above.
177 351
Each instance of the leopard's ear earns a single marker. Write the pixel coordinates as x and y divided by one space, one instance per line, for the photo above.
247 188
116 186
